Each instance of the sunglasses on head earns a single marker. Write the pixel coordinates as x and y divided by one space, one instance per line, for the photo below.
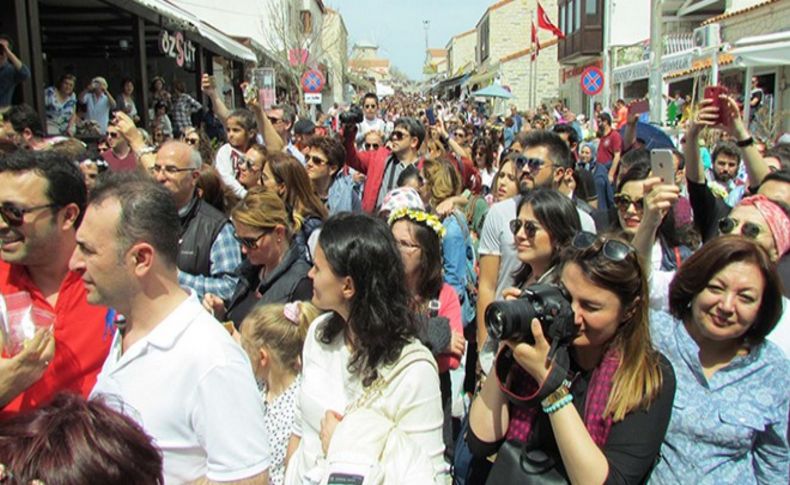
749 230
372 146
611 249
624 201
15 216
530 228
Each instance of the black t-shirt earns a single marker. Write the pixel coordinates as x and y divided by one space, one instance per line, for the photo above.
632 445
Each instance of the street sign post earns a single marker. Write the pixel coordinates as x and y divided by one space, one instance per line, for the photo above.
592 81
312 81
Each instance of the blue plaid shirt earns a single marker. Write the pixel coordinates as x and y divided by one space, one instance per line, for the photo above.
225 257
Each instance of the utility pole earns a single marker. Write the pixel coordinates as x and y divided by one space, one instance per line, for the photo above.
606 101
656 53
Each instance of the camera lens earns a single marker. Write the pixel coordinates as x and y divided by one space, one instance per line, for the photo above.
511 320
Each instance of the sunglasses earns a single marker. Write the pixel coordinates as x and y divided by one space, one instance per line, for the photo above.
320 162
372 146
15 216
623 202
532 164
459 134
398 135
192 141
112 134
749 230
370 106
612 249
274 120
530 228
251 242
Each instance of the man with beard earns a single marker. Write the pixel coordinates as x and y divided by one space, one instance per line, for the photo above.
723 175
610 148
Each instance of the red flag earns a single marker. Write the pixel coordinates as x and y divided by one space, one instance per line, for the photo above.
535 42
545 24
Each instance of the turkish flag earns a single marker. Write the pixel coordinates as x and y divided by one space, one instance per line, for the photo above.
545 24
535 42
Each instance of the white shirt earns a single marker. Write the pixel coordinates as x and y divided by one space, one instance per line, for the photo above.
291 149
412 399
225 162
191 388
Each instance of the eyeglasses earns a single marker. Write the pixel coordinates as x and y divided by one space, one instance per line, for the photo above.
532 164
530 228
192 141
624 201
398 135
749 230
372 146
612 249
168 169
15 216
317 161
251 242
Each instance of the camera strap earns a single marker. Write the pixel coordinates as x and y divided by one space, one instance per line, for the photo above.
558 372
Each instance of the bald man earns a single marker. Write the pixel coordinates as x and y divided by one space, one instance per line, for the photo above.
208 251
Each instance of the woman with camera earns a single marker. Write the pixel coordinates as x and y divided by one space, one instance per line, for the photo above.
593 404
730 416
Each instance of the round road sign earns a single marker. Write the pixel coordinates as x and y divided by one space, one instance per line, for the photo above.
312 81
592 81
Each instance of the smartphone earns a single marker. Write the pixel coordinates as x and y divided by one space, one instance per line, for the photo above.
431 117
639 106
662 164
713 93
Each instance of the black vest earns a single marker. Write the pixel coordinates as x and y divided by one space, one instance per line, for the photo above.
199 228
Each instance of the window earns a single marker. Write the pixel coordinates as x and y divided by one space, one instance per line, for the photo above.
578 22
307 21
562 19
592 7
483 40
569 16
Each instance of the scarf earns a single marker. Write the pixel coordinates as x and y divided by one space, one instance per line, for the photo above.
522 418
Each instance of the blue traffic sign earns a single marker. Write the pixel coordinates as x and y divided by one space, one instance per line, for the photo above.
592 81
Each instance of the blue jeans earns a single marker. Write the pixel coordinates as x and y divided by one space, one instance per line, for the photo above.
603 188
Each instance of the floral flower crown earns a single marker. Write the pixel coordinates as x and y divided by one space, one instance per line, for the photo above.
415 215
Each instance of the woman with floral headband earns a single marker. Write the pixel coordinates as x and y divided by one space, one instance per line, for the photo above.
272 336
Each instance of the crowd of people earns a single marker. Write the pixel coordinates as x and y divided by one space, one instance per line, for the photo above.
406 290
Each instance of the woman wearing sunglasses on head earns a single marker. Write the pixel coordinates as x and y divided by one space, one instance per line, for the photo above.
730 416
273 271
605 420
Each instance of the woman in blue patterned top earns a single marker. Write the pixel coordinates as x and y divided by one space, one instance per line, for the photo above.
730 416
60 104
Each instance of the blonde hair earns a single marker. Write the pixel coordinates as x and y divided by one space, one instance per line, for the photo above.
443 178
271 329
263 209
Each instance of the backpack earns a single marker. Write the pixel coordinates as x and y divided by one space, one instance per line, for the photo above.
369 448
469 298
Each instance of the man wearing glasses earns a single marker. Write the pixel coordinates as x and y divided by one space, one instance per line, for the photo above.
382 167
208 252
282 119
120 156
42 198
371 121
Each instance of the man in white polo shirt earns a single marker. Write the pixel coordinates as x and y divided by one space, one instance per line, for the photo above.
172 366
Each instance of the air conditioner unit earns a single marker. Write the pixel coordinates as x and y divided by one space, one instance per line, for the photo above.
707 36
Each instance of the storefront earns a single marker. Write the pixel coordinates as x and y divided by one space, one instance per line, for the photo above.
117 39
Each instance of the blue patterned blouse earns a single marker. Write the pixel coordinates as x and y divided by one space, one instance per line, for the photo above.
58 114
731 428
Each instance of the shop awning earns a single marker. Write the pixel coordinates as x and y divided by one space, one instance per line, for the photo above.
484 78
185 20
763 50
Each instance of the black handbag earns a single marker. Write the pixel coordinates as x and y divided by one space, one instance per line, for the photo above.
516 464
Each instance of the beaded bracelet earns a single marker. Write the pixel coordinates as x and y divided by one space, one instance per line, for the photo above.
559 404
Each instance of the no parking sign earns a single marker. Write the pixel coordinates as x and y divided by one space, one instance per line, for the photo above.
592 81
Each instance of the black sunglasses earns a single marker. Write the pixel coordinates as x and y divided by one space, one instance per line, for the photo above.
612 249
372 146
530 228
315 160
749 229
532 164
15 216
251 242
624 201
398 135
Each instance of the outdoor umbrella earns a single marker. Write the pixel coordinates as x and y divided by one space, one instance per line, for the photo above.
493 91
651 135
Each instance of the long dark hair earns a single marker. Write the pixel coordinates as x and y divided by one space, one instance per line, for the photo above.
362 247
430 279
557 214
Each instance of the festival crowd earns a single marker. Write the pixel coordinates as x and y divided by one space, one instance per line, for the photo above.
405 290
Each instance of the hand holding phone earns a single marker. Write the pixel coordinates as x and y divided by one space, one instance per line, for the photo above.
662 164
712 93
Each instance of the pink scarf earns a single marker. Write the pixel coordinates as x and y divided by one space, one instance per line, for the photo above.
523 418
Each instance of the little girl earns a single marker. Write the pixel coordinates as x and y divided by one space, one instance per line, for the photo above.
273 335
241 129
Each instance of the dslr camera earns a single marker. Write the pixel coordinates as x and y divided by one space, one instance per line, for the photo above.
550 304
353 116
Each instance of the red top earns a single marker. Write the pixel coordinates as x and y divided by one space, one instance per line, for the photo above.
82 339
126 164
608 146
450 308
372 163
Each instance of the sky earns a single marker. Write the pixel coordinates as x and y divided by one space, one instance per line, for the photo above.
397 26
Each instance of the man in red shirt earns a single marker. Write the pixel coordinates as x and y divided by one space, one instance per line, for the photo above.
120 156
42 198
610 147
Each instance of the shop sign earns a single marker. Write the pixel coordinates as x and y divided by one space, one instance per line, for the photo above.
641 69
177 47
578 70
